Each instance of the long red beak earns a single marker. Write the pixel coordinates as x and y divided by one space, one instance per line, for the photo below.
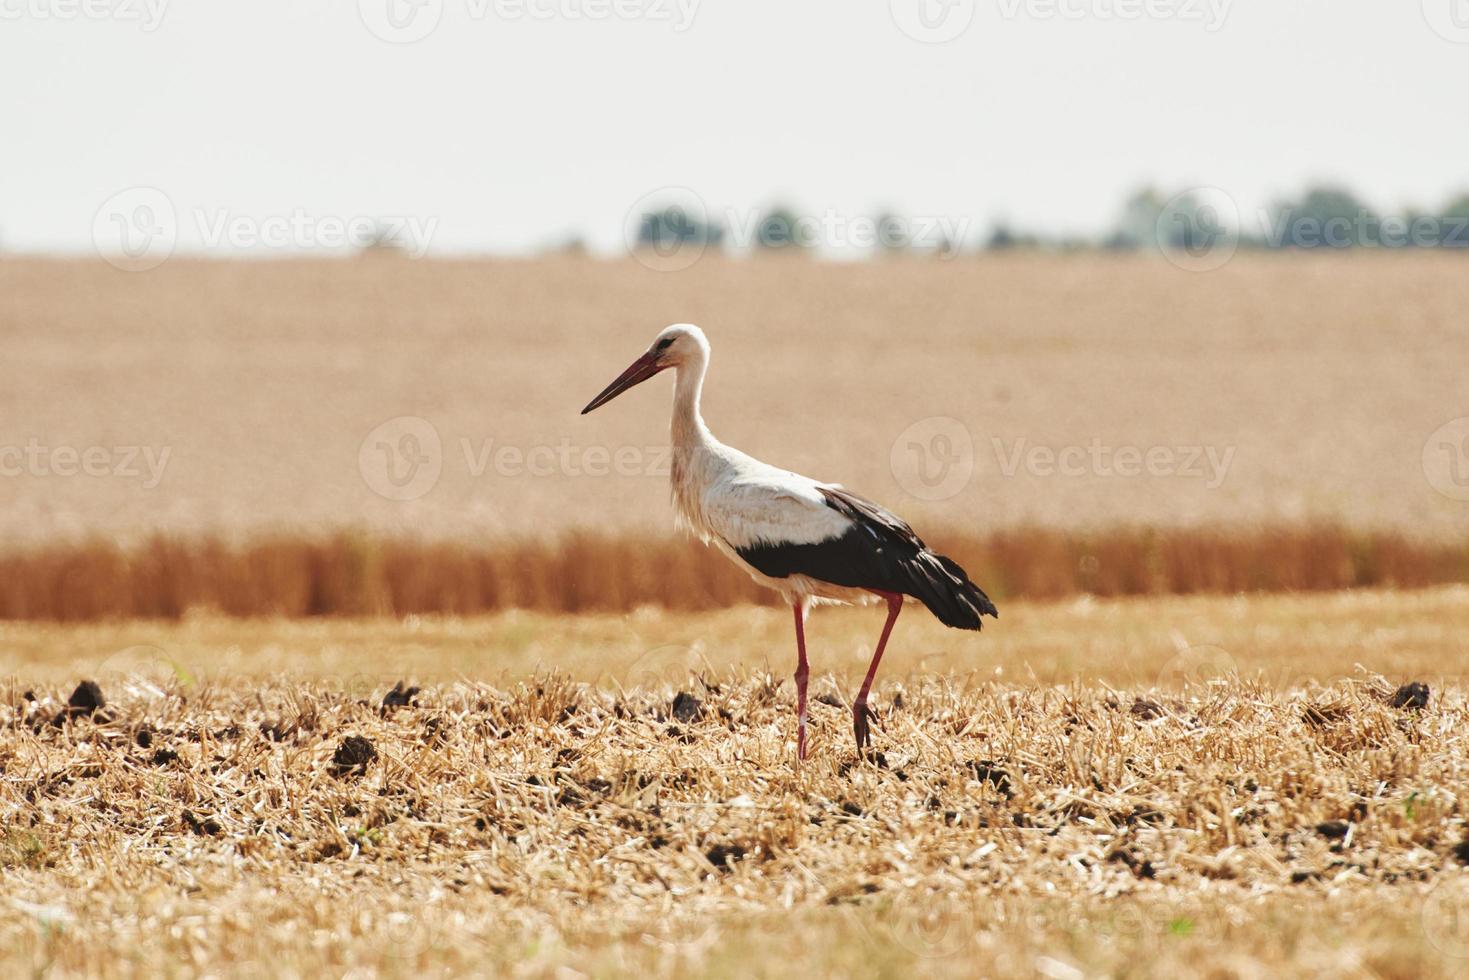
639 371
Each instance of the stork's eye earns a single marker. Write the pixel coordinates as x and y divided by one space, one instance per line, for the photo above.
664 344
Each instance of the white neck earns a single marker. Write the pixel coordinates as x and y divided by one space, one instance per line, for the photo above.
697 455
688 429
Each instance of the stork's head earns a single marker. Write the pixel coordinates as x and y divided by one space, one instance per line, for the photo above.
673 347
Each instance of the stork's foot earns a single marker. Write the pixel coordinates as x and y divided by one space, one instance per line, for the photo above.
801 740
861 715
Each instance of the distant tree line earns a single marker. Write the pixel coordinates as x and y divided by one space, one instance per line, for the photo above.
1325 216
1322 217
775 228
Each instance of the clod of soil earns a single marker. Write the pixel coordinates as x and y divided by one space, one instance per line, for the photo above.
1146 710
1325 714
1138 866
867 755
85 702
435 731
723 856
1333 829
205 826
277 731
1413 695
986 771
687 708
86 699
400 697
354 754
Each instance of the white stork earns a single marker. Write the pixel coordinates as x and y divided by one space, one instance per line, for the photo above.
810 541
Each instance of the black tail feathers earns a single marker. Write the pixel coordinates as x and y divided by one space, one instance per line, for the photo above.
941 585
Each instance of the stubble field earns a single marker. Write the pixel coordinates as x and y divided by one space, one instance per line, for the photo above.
1092 787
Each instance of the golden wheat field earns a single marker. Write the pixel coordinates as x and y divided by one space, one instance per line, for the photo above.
1224 786
973 395
355 575
389 436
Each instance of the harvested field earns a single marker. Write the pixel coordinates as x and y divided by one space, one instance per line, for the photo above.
977 395
319 480
1145 786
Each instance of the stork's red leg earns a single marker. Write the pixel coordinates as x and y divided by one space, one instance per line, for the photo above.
802 672
860 712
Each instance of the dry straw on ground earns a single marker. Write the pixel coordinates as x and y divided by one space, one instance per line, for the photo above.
280 830
257 821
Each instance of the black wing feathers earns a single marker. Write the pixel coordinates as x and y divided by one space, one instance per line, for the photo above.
880 553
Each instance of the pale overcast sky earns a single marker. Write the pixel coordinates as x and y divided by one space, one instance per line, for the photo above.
511 125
